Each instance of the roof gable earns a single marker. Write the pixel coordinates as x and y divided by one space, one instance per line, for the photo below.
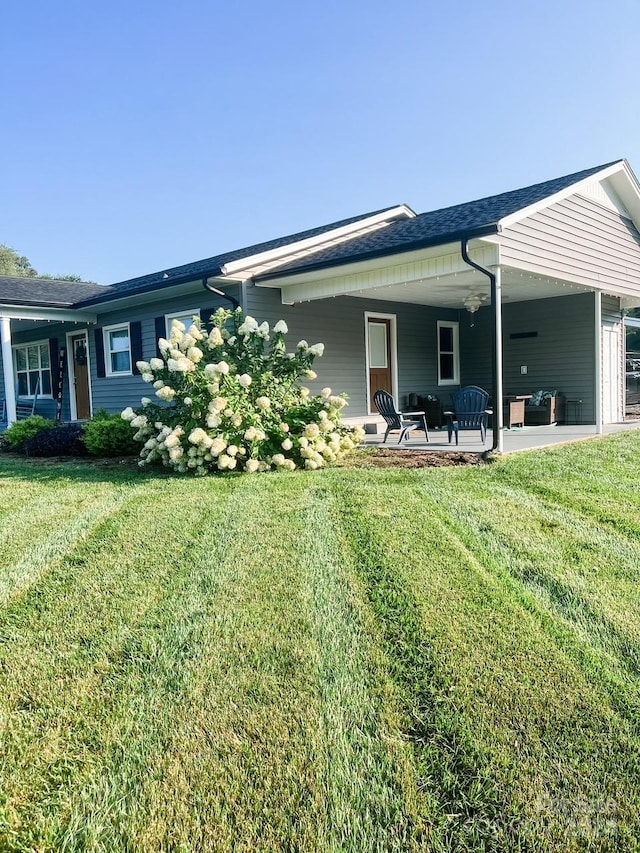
446 225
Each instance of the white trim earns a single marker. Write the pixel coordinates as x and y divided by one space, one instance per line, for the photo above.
393 345
107 350
402 211
513 218
42 342
73 409
7 369
178 315
61 315
455 326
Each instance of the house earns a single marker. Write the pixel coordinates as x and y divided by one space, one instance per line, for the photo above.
516 292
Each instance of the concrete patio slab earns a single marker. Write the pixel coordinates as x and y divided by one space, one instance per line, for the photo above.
516 439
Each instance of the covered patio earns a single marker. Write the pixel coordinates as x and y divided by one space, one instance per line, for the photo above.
514 440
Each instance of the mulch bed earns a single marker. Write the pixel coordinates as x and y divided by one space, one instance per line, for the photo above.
387 458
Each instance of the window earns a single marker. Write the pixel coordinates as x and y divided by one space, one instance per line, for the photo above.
448 354
117 350
185 317
33 369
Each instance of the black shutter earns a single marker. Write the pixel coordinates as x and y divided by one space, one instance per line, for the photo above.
205 316
136 345
99 341
54 353
161 332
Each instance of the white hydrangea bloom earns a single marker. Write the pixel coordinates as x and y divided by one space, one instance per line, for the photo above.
263 330
215 338
213 421
245 380
287 444
127 414
284 427
217 446
139 421
317 349
311 374
197 436
303 345
147 377
326 393
281 328
195 354
251 465
143 366
232 450
163 345
312 430
195 332
222 367
263 403
156 364
158 384
165 393
188 401
277 459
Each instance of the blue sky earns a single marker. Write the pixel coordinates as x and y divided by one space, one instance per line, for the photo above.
141 135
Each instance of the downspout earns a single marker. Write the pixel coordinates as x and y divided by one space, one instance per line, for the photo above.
496 360
234 302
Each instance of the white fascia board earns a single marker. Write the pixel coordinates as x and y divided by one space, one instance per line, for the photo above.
402 211
62 315
521 214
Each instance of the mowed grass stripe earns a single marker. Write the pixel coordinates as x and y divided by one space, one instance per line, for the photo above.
41 534
260 745
598 478
63 678
371 781
504 722
588 573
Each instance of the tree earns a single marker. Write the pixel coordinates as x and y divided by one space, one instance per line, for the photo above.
11 263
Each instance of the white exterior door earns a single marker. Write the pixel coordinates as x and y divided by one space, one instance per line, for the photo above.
611 386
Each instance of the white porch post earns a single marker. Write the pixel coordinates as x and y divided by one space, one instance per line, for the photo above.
498 423
598 360
7 369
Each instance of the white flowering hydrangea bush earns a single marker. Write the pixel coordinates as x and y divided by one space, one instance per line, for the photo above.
231 399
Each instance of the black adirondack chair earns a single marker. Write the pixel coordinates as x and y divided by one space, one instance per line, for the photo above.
469 412
405 422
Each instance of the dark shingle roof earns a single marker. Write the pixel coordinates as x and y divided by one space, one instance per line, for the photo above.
45 292
213 266
446 225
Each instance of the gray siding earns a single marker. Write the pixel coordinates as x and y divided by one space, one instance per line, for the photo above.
339 324
115 393
580 240
561 357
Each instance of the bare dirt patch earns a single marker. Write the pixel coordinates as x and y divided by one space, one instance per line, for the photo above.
388 458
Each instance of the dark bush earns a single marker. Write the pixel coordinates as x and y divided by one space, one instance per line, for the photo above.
109 435
62 441
21 431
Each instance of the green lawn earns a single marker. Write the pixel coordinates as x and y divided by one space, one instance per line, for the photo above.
348 660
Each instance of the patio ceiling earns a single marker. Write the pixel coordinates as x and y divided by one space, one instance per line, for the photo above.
450 291
437 276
